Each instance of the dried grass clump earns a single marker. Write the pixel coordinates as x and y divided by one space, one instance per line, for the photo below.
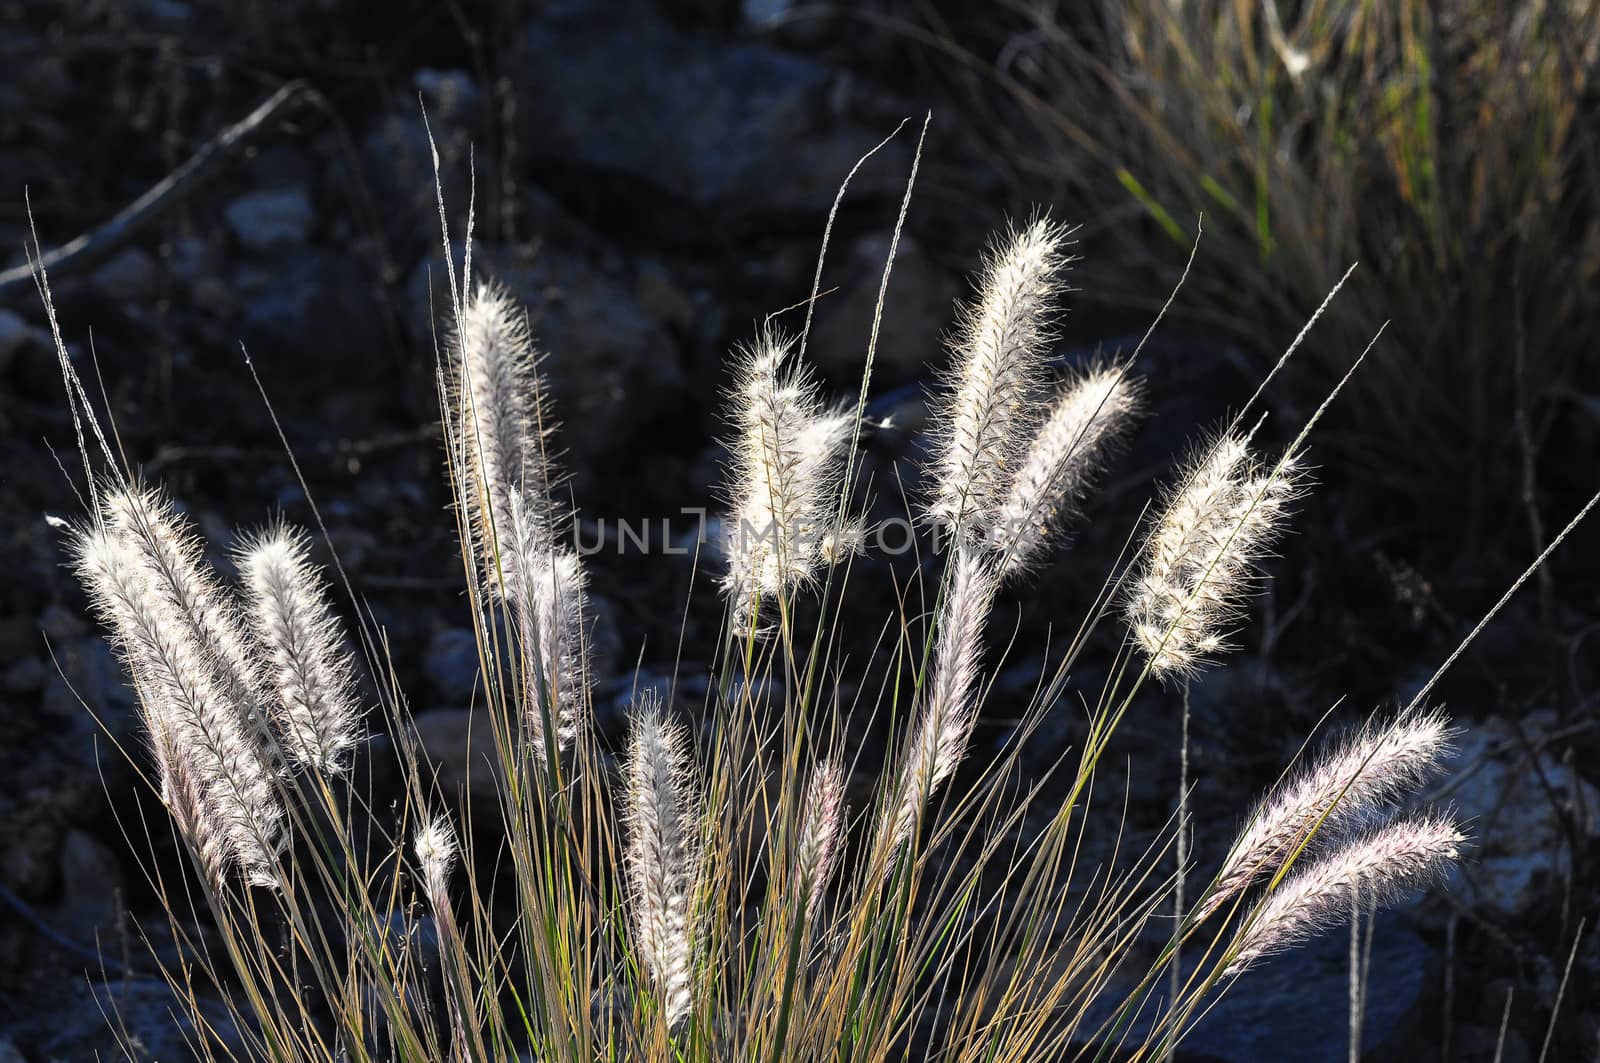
708 895
1445 145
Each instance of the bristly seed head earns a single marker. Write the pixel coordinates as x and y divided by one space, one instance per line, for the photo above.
500 427
1090 416
1354 782
663 854
435 847
822 817
949 697
545 587
214 771
307 664
787 463
1201 558
1385 864
997 380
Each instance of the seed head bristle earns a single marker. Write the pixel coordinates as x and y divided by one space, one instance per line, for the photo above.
1090 416
221 790
822 817
308 665
662 858
435 848
1381 866
997 381
1201 558
504 426
174 556
1355 781
939 740
546 588
785 472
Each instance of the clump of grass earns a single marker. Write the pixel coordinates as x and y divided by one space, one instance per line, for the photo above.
714 898
1446 147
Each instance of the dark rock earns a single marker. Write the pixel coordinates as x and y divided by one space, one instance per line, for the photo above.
130 276
451 663
29 858
283 166
763 13
60 623
278 301
26 676
316 308
1523 805
1480 1044
89 695
459 745
189 258
172 14
612 369
728 130
450 95
17 335
271 220
659 295
155 1019
917 308
1293 1006
92 889
397 165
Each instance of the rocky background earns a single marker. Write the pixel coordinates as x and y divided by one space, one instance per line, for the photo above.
652 177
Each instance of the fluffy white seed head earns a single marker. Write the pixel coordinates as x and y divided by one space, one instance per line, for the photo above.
997 381
546 588
1357 780
307 664
663 859
214 777
174 556
1381 866
949 703
821 819
501 427
787 459
1089 417
1200 560
435 848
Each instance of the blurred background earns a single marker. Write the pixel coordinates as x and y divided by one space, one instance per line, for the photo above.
653 177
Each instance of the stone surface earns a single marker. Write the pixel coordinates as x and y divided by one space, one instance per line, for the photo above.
725 128
459 744
451 663
452 93
1294 1006
612 368
271 220
17 335
917 307
130 276
87 693
153 1015
1480 1044
25 676
1523 805
92 890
